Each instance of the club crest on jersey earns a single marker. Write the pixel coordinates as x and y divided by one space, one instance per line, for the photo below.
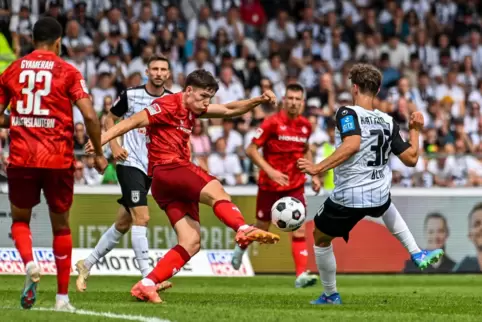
282 127
154 109
347 124
304 130
135 196
258 133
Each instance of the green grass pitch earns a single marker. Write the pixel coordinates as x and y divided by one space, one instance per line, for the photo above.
262 298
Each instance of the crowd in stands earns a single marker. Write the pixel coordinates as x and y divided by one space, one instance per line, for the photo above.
429 51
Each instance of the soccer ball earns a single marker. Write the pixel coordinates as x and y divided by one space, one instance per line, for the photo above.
288 214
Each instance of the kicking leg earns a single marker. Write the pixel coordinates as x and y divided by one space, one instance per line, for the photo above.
397 226
326 263
214 195
107 242
239 250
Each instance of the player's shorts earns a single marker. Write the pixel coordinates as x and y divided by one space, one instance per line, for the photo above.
135 186
265 200
177 190
336 220
26 184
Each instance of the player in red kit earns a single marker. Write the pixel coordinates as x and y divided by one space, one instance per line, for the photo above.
178 185
41 88
283 138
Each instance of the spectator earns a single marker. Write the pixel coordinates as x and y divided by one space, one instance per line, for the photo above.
80 137
225 166
91 175
79 173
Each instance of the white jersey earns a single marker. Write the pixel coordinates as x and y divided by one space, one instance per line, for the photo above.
364 180
131 101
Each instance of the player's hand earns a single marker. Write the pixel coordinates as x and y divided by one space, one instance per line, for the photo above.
416 121
316 184
269 97
119 153
307 166
279 177
89 148
100 163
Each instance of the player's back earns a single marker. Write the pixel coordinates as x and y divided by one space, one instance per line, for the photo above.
41 88
284 141
169 132
365 179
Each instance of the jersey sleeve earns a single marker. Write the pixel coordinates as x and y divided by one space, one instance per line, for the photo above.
155 113
121 105
262 133
78 88
347 122
398 145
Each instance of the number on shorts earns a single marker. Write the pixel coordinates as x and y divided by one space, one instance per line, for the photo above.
381 148
33 103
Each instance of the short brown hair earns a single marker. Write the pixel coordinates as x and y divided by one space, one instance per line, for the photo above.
367 77
203 79
295 88
154 58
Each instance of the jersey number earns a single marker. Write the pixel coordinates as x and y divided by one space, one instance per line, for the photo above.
33 102
381 148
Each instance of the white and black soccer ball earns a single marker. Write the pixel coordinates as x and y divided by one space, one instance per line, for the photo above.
288 214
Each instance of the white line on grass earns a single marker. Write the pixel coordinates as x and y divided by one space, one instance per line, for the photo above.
107 315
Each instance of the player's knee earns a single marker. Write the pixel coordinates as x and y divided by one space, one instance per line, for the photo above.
321 239
140 216
123 224
213 192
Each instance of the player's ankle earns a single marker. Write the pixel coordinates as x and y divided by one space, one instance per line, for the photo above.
62 297
243 227
148 282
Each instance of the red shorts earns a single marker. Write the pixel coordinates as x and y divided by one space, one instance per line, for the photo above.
25 184
177 189
265 200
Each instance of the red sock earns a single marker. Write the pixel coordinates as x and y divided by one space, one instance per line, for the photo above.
229 214
63 259
300 254
170 264
22 238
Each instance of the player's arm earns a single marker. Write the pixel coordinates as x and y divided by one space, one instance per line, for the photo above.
238 108
316 180
138 120
350 132
408 152
118 110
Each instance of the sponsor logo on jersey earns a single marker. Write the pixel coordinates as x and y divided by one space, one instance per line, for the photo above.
292 138
347 124
154 109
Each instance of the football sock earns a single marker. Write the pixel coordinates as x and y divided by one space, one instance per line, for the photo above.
326 263
62 297
141 248
300 254
107 242
22 239
229 214
62 249
169 265
397 226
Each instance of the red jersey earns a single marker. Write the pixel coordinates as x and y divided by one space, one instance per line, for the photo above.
169 132
40 88
284 141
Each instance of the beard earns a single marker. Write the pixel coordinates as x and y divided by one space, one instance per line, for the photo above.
157 83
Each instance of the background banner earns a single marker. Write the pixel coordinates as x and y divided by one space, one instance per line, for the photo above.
436 217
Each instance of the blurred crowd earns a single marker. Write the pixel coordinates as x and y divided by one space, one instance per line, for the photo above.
429 51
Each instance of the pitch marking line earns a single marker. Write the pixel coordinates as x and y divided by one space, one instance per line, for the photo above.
107 315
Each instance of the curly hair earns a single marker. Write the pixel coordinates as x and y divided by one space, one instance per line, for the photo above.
367 77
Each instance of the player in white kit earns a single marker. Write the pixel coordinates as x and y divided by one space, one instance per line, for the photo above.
364 139
132 174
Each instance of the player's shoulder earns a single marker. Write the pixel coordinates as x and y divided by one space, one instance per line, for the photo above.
348 110
171 101
303 120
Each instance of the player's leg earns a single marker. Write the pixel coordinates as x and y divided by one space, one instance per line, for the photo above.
24 189
397 226
58 187
214 195
108 241
184 217
264 202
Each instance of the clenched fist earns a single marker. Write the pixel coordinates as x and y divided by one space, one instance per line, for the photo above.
416 121
269 97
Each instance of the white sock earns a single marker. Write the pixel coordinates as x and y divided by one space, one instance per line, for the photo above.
147 282
62 297
397 226
107 242
243 227
141 248
326 263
